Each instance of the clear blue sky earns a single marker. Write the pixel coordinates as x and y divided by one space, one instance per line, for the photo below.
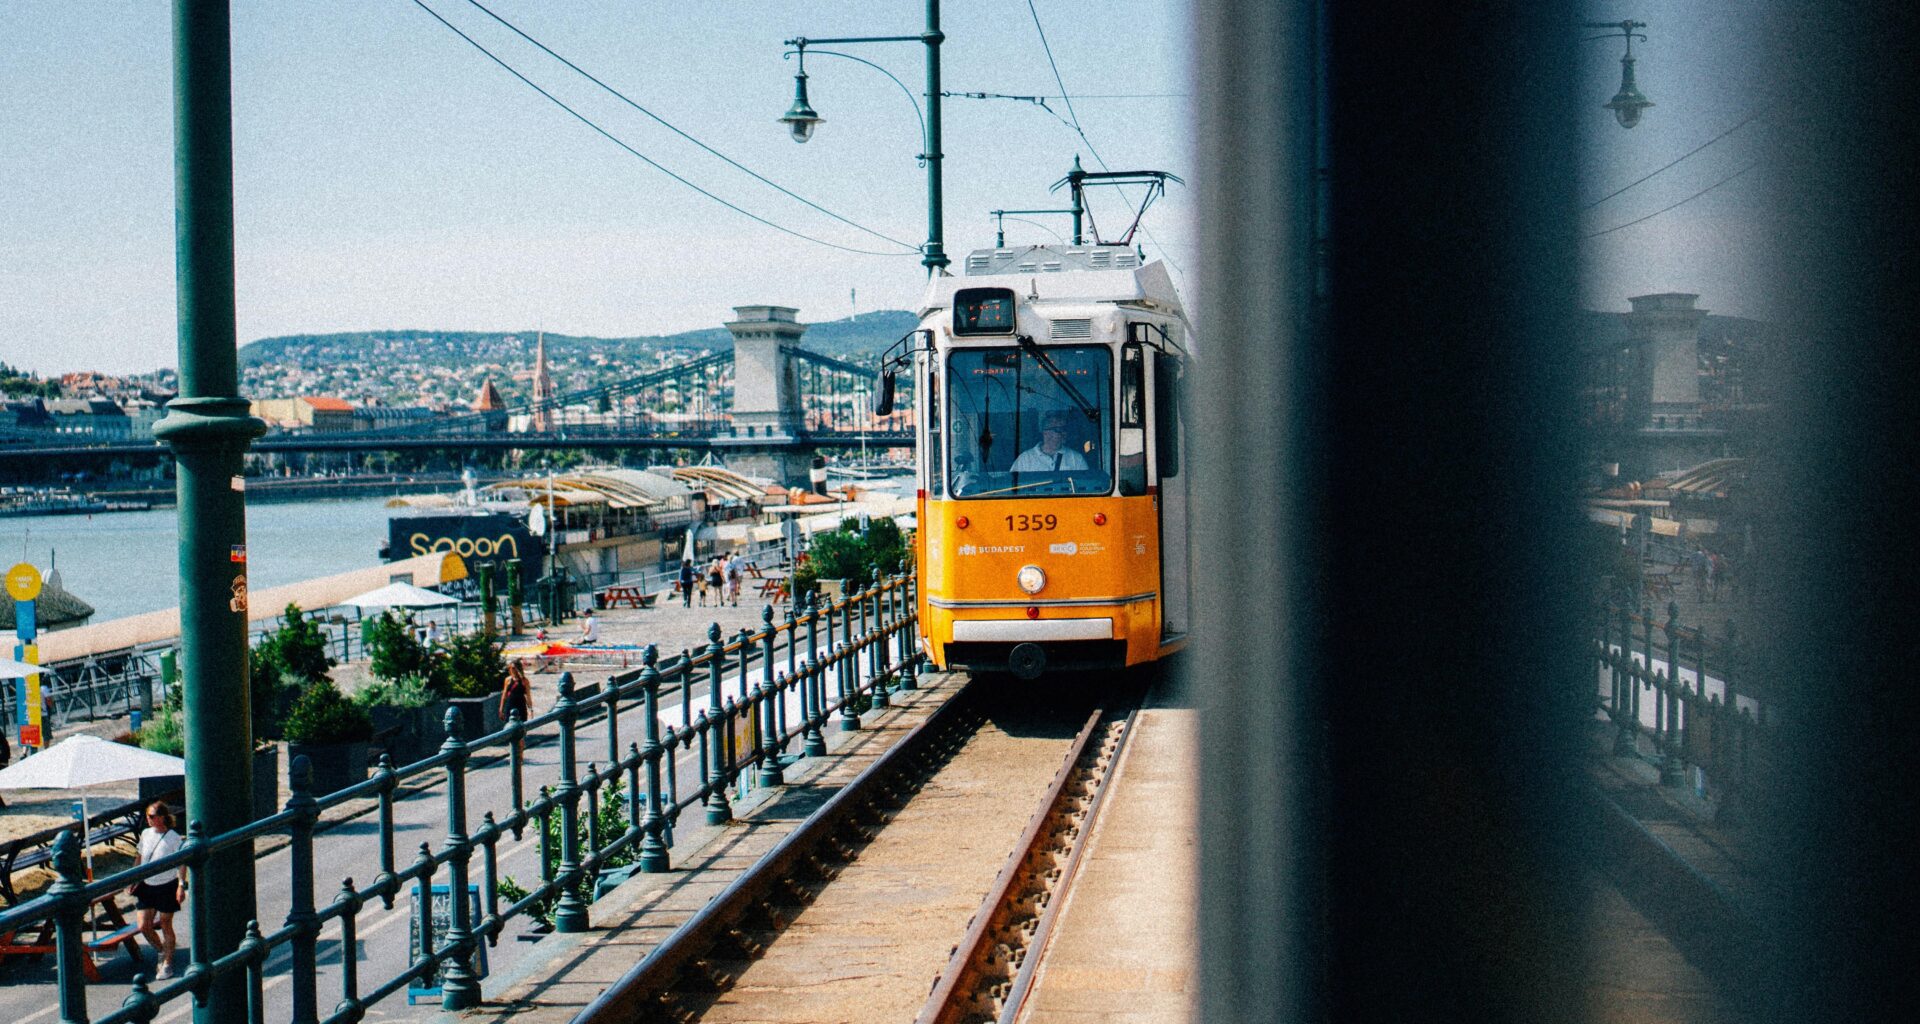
388 175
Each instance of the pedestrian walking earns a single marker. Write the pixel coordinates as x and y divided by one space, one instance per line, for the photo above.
717 580
158 895
686 584
736 569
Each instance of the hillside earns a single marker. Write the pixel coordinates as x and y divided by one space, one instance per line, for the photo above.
405 367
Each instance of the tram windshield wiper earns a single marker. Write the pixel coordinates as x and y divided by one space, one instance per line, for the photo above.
1046 362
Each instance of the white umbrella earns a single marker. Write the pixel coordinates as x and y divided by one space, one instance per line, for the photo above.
11 669
85 760
399 595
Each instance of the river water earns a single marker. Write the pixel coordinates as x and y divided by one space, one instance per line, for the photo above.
125 563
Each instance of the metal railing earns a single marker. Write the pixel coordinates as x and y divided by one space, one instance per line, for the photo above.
838 660
1690 699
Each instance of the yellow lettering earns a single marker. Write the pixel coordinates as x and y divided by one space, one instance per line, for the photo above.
507 540
419 543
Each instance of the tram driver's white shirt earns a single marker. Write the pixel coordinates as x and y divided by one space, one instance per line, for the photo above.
1034 460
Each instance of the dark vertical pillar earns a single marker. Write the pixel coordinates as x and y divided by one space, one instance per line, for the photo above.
1838 543
1392 681
209 430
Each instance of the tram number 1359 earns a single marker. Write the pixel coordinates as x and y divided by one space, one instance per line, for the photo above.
1026 522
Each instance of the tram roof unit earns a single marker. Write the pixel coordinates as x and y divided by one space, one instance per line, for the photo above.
1052 273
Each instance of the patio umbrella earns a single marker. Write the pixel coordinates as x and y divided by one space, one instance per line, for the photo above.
85 760
398 595
11 669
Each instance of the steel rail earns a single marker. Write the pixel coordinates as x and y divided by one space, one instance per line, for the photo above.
628 998
990 941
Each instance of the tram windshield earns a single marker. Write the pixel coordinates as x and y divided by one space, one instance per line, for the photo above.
1030 420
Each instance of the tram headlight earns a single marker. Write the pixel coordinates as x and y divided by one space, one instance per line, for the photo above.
1031 579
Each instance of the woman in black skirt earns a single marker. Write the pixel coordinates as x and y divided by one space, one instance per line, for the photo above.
158 895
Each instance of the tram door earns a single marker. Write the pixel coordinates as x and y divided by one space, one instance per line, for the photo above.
1176 600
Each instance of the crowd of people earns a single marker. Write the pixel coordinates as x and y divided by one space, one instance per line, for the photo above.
719 579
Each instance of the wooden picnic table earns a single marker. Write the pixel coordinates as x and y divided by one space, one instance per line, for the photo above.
630 596
107 912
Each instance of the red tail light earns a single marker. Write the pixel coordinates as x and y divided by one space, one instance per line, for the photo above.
960 522
1033 612
1099 519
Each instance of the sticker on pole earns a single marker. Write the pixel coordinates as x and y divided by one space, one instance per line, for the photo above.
238 602
23 582
441 919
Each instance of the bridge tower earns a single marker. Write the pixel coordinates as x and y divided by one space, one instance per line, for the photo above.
1670 430
766 396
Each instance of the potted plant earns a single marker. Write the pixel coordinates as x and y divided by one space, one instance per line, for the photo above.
474 672
332 733
406 716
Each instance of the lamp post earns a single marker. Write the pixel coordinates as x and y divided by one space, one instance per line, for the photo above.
209 430
1628 103
801 120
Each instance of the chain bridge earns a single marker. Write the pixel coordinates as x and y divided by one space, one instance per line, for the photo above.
766 408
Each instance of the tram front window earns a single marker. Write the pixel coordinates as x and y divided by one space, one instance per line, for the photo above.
1030 420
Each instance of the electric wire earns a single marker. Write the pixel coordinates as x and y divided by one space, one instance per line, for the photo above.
1682 202
1077 130
649 161
670 126
1750 118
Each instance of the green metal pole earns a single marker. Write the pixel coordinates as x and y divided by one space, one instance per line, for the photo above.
935 257
1074 178
209 431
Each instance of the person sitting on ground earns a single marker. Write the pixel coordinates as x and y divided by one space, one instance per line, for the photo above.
1051 454
590 629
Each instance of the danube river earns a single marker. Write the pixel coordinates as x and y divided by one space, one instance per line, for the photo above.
125 563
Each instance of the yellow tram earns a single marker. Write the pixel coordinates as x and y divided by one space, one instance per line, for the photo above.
1052 495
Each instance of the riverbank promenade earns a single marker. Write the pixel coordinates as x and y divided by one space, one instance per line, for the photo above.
1668 890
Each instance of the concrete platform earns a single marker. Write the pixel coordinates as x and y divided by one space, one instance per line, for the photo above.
1124 946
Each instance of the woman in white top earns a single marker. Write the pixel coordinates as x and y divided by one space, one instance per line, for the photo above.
158 895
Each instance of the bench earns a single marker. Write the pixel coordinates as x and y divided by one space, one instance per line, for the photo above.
126 937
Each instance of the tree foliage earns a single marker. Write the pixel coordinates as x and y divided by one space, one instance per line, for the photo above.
852 554
325 715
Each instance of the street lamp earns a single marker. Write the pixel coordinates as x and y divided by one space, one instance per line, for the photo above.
1628 103
801 119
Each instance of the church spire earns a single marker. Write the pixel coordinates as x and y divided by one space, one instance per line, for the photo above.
542 382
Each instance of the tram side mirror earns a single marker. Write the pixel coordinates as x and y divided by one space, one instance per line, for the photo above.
883 395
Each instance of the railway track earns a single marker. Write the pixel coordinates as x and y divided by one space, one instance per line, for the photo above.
992 971
945 861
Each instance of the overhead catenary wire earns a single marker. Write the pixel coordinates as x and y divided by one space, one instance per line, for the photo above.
1749 119
1682 202
670 126
1075 125
649 161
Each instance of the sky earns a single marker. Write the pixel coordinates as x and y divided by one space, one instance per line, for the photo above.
390 176
1702 66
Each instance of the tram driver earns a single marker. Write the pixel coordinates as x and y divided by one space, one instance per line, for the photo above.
1051 454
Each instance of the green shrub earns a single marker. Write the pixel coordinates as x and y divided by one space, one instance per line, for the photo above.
852 555
325 715
165 734
612 819
406 692
299 646
472 665
394 650
280 667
